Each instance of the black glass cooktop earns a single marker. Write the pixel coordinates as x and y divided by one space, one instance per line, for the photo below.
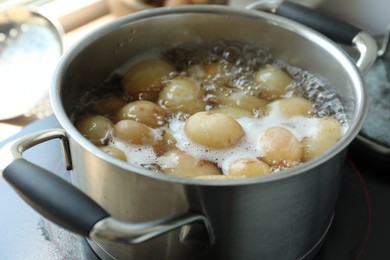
360 229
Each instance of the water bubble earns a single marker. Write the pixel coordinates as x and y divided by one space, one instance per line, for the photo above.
218 48
232 54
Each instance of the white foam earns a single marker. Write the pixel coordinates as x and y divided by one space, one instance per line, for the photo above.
248 147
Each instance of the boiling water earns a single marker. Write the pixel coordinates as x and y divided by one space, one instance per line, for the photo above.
240 62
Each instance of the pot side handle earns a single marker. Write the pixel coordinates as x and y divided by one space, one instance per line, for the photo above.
335 29
53 197
64 204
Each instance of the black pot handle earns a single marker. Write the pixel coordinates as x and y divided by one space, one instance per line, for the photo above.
55 199
335 29
64 204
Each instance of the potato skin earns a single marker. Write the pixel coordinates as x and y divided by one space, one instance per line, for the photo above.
143 111
185 165
248 167
182 95
96 128
114 151
133 132
273 81
146 77
234 112
213 130
328 134
292 106
281 147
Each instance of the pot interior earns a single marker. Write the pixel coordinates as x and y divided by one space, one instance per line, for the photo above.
104 51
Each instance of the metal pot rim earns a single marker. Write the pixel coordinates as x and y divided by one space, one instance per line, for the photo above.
66 123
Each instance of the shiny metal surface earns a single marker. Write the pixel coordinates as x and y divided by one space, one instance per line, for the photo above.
282 216
368 51
111 229
14 150
363 42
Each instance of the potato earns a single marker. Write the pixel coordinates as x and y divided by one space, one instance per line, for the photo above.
273 81
248 167
203 71
146 77
133 132
143 111
250 103
281 148
292 106
182 94
96 128
109 104
328 134
234 112
167 143
185 165
213 130
114 151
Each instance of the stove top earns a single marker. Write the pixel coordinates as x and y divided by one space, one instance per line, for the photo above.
359 230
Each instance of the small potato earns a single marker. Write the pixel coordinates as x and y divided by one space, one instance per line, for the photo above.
182 94
109 104
281 148
143 111
248 167
246 102
115 152
234 112
96 129
184 165
273 81
205 70
133 132
146 77
167 143
328 134
213 130
292 106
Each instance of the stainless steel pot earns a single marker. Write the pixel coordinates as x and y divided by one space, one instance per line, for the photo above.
132 213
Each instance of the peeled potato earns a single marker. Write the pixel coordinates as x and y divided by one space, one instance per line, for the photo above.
248 167
292 106
114 151
143 111
280 147
96 129
329 132
146 77
133 132
184 165
213 130
182 95
273 81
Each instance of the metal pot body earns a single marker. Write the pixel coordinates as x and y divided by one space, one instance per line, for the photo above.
282 216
